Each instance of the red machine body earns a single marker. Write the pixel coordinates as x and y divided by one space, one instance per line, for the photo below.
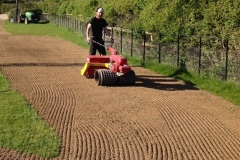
118 63
109 70
94 62
114 62
97 59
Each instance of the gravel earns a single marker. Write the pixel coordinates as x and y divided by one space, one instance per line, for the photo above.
3 16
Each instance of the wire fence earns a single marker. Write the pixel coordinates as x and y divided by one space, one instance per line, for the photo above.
207 56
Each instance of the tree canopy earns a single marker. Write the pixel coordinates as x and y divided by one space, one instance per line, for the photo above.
206 17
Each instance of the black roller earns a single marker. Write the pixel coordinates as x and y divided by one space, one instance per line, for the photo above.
104 77
127 79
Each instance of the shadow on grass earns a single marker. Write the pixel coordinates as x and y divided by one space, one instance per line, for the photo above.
182 71
162 83
40 22
43 22
171 82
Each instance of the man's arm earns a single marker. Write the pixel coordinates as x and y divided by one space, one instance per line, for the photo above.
89 26
107 32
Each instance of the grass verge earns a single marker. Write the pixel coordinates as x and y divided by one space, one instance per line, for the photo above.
47 29
21 128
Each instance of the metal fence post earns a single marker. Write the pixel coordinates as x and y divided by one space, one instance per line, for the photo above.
112 31
132 43
226 68
178 51
121 40
75 25
200 55
159 48
64 21
144 44
65 18
16 11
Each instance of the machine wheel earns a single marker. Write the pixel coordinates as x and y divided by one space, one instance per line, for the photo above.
104 77
127 79
26 21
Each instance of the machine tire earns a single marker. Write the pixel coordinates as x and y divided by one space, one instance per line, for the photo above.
104 77
128 79
26 21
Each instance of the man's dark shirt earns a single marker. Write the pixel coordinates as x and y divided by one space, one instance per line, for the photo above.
97 26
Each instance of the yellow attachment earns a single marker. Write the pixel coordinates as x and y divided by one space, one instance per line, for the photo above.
88 64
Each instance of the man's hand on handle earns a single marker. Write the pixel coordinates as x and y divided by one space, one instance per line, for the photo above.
88 40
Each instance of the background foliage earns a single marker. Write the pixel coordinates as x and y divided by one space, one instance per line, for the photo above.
219 18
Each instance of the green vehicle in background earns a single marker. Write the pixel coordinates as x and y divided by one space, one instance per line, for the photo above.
33 16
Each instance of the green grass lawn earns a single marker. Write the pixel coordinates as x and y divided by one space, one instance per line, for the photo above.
21 128
47 29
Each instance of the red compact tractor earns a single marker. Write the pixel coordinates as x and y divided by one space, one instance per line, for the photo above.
109 70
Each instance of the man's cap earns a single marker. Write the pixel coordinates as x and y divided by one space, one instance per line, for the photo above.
100 10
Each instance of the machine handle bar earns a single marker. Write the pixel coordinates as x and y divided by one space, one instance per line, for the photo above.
111 41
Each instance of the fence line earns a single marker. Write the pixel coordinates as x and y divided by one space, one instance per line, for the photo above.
207 56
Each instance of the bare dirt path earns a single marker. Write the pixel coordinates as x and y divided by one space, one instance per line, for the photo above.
158 118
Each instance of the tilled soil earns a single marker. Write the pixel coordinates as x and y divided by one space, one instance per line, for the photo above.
158 118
